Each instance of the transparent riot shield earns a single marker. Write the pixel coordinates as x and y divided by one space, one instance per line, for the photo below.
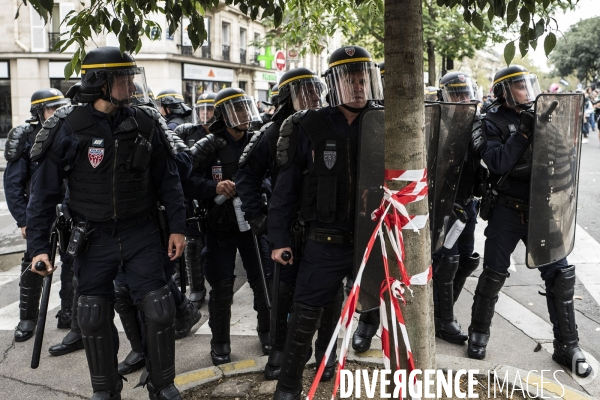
554 178
369 194
452 123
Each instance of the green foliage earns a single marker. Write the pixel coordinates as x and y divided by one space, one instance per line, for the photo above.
579 51
535 17
128 20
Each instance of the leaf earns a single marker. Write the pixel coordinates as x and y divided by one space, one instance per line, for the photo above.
549 43
511 13
68 70
523 48
533 44
539 28
490 14
467 16
115 26
478 21
524 15
278 16
509 52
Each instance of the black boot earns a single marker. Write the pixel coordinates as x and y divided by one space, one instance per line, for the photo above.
95 314
302 326
368 323
128 313
559 297
219 306
466 266
159 324
186 316
194 265
66 297
72 341
279 331
263 315
30 288
329 320
446 326
484 301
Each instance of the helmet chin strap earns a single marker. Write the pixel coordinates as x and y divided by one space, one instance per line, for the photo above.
235 128
353 109
525 107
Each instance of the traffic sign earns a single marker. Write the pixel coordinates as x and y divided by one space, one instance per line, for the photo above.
280 60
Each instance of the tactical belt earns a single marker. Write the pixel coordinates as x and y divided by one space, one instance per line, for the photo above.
113 227
513 203
336 236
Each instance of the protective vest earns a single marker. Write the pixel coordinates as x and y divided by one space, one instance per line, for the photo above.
103 185
190 133
329 190
175 119
522 170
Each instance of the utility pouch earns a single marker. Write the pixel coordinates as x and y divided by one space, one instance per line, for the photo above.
298 237
488 203
78 243
140 154
163 225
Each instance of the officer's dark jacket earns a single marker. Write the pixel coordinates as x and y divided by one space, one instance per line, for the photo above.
19 170
502 149
174 120
292 188
190 133
259 163
71 155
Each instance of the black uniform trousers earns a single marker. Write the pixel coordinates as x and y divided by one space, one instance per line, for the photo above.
465 244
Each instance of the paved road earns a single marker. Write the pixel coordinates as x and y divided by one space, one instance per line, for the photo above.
521 322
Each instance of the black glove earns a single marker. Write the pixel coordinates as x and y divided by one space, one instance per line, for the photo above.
478 139
259 225
526 123
458 212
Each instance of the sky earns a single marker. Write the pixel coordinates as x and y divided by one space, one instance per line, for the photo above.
585 9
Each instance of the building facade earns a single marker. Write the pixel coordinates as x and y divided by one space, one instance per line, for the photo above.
226 59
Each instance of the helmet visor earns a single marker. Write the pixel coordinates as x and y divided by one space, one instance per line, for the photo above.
204 112
307 94
354 84
460 90
520 90
127 87
240 111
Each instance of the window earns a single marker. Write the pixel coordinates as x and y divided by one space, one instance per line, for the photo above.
256 48
243 41
59 12
5 100
225 41
62 84
263 95
242 85
38 32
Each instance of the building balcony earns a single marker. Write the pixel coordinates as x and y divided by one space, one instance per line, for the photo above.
242 56
206 51
187 50
53 38
225 52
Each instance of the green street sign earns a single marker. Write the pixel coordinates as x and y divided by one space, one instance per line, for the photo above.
268 58
269 77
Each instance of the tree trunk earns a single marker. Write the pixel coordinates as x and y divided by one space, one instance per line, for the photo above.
431 63
404 150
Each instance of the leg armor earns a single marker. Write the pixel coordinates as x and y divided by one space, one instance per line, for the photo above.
559 296
303 324
194 266
466 266
95 319
484 301
30 289
66 296
329 320
72 341
219 306
159 315
263 315
285 301
368 323
128 313
446 326
186 316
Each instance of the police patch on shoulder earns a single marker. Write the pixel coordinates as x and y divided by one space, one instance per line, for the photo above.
349 51
98 142
95 155
217 173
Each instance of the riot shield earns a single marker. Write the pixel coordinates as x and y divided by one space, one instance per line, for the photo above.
554 178
447 140
369 193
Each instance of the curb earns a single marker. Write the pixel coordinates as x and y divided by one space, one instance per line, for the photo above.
191 380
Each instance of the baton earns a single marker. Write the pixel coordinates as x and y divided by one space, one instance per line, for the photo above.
262 272
286 256
41 322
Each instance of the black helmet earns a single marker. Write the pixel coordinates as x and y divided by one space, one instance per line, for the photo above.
205 109
515 85
107 65
139 95
303 87
275 100
235 107
172 100
431 93
357 61
73 93
382 72
46 99
458 87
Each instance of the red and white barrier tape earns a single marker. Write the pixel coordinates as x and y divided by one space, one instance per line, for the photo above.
394 223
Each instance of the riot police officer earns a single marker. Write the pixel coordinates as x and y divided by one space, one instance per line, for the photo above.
171 106
507 131
118 164
215 163
299 89
317 153
431 93
17 177
454 262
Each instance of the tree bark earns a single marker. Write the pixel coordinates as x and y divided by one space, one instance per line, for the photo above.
405 149
431 63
